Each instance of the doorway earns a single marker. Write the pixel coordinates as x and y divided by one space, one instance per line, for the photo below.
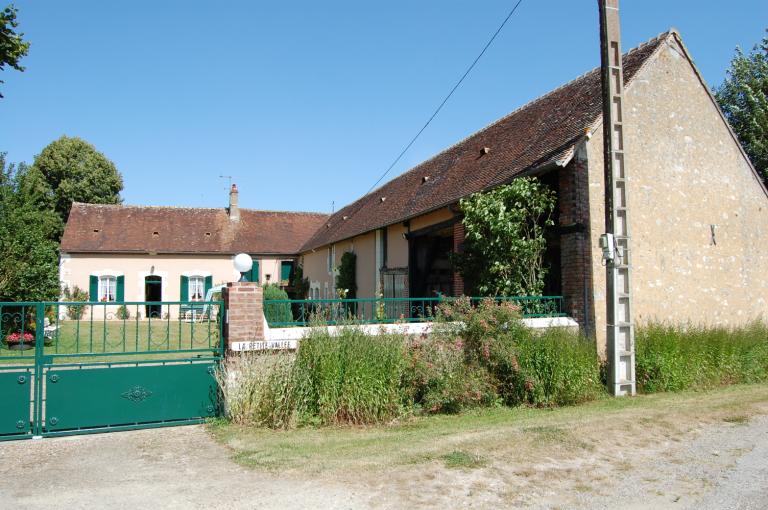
153 292
431 271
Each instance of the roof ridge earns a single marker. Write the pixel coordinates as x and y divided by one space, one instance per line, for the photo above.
181 207
534 101
350 209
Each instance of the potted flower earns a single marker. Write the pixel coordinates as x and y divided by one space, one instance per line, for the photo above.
20 341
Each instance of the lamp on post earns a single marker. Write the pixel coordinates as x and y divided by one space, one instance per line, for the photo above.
243 263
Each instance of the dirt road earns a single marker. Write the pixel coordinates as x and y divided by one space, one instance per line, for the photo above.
719 465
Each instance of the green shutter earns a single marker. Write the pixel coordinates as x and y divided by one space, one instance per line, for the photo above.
184 290
254 276
93 291
208 285
285 270
120 289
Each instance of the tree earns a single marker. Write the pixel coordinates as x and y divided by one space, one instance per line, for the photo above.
345 279
12 45
743 97
504 246
29 262
72 170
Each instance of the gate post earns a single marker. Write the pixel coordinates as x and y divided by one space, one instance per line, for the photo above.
243 313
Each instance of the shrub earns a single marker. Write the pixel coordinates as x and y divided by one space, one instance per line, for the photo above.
553 367
75 312
438 378
671 358
350 377
276 312
123 313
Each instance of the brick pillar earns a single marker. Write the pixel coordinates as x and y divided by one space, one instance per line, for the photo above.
575 247
243 312
458 247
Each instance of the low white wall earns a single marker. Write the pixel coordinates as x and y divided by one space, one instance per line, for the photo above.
288 338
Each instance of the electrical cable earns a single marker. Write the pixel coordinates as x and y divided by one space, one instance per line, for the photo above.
466 73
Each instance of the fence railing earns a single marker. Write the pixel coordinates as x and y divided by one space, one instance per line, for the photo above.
73 329
303 312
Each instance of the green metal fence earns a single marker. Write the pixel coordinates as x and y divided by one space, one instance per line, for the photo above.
80 367
303 312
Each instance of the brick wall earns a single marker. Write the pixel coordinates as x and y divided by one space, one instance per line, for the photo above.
576 251
458 247
244 317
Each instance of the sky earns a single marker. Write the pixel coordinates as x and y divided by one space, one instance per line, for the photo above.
305 104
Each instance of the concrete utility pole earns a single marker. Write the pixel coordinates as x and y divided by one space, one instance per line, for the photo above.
615 242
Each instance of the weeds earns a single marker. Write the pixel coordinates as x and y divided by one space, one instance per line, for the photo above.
462 459
671 358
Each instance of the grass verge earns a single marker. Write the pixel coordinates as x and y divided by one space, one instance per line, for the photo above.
491 437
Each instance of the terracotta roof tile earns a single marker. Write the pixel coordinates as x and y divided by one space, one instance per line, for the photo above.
138 229
540 132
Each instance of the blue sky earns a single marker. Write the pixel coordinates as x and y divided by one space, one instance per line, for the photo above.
305 103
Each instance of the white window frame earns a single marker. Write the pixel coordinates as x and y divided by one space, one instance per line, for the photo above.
107 283
196 283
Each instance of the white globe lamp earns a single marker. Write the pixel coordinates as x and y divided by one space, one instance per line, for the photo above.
243 263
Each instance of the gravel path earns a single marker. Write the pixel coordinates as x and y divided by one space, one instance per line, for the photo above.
720 466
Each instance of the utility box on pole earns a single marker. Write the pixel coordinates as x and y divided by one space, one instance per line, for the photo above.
615 242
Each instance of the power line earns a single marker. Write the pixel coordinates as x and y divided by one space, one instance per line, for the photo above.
466 73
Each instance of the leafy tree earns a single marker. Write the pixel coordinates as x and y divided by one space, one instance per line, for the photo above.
743 97
504 246
12 46
29 262
345 279
72 170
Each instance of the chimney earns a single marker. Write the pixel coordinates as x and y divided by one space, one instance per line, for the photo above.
234 211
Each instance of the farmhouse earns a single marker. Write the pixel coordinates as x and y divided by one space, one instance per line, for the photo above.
129 253
700 211
699 218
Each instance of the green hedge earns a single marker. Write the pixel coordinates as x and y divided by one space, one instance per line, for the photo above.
276 312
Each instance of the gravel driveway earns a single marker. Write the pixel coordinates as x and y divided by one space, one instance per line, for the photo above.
721 466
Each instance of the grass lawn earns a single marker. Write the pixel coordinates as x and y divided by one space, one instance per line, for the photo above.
490 439
75 337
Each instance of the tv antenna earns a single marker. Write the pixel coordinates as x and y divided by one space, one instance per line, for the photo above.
227 177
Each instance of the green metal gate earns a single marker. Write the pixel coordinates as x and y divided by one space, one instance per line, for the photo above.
84 367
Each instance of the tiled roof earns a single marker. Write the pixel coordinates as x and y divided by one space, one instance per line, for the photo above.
543 131
137 229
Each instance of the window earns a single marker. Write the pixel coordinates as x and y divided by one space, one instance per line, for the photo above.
330 260
196 288
286 268
107 288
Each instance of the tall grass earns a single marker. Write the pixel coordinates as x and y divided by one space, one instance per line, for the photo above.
555 367
258 389
350 377
674 358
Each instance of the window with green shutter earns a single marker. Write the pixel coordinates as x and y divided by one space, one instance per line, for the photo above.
184 289
286 268
208 285
93 289
254 275
120 289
